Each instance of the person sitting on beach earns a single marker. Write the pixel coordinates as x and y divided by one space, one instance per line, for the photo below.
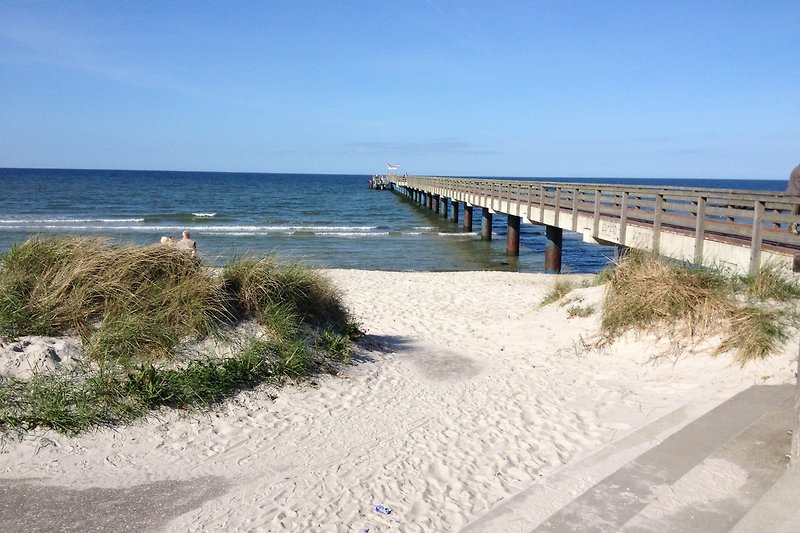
187 243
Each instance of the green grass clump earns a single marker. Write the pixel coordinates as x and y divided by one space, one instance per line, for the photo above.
91 287
771 284
262 285
581 311
650 293
754 333
559 290
135 307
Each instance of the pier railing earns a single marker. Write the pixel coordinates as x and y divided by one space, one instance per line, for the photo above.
752 219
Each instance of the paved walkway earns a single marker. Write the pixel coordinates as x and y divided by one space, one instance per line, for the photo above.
724 471
705 477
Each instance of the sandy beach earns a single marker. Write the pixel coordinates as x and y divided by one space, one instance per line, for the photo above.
464 393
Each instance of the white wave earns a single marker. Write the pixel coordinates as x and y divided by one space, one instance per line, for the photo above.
68 220
326 228
204 215
219 230
451 234
351 234
119 224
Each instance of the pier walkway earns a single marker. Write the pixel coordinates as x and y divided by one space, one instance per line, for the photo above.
737 230
725 470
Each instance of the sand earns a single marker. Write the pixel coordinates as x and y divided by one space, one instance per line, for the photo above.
465 392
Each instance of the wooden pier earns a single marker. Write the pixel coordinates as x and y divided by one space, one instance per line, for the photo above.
737 230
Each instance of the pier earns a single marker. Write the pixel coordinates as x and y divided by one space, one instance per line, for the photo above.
736 230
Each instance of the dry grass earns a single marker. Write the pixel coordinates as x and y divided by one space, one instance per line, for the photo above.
644 292
754 333
652 294
97 290
770 284
134 307
132 301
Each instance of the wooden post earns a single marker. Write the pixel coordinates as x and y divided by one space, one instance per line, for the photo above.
467 217
755 240
596 217
530 193
557 206
575 209
455 211
542 193
623 219
657 216
700 230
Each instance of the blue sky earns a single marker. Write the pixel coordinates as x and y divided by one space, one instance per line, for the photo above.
552 89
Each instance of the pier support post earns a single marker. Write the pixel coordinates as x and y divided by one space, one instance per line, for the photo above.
486 226
455 211
467 217
428 201
552 250
436 203
445 202
512 236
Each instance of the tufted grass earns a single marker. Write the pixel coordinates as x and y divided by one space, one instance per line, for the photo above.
135 308
647 293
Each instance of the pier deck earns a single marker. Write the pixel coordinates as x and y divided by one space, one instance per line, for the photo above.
738 230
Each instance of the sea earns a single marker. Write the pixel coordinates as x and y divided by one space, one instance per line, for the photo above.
323 220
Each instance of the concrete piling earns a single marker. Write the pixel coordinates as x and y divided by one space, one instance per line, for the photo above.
486 225
512 236
552 250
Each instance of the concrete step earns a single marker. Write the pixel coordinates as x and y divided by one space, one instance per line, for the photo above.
777 510
702 476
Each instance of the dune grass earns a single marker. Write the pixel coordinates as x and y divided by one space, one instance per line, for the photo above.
580 311
560 289
136 307
684 302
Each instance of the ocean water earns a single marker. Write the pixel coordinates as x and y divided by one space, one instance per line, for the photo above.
332 221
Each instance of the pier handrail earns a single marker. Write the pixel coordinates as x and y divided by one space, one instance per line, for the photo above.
753 218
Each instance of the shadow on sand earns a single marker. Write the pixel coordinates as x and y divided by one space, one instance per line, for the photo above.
26 505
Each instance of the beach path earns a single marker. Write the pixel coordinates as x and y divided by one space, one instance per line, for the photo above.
465 393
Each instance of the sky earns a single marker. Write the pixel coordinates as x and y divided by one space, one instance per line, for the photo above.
652 89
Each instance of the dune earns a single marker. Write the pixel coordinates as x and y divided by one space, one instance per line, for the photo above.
465 392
